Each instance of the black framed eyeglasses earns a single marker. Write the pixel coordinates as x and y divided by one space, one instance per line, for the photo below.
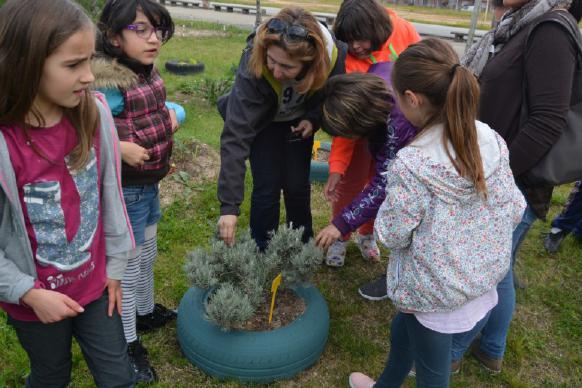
293 32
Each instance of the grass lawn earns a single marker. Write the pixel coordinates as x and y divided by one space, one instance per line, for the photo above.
546 333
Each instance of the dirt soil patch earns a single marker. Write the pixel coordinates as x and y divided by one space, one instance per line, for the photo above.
193 163
288 307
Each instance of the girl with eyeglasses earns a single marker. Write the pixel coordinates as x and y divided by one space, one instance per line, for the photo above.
270 116
131 36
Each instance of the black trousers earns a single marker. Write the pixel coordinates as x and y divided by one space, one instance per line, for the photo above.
280 162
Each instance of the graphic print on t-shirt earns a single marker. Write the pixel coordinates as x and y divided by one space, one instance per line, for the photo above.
43 204
291 104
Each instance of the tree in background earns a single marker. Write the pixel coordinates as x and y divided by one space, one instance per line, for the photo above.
93 7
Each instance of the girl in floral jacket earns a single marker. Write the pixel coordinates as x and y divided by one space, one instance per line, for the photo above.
450 209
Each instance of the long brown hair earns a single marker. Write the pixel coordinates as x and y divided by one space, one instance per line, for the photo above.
30 31
355 105
312 52
431 68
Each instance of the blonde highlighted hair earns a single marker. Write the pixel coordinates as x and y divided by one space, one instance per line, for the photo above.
311 52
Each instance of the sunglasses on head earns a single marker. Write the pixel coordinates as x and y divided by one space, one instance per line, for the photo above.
293 32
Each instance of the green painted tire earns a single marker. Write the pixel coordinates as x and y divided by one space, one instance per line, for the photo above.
258 357
319 171
177 67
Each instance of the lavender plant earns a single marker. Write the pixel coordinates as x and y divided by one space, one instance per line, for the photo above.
241 275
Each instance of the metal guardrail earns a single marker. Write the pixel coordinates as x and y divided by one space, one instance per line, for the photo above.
328 18
455 33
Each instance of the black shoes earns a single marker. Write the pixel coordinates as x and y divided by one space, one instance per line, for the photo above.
374 290
138 355
553 240
144 373
158 318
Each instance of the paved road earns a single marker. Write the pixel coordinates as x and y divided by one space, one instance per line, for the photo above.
248 21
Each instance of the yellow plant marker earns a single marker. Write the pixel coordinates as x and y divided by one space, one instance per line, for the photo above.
316 146
274 287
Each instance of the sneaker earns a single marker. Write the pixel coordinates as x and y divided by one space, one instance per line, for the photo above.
455 369
554 239
368 247
493 365
360 380
157 318
336 254
374 290
138 357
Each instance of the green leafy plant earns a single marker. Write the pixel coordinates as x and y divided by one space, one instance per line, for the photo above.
241 275
207 88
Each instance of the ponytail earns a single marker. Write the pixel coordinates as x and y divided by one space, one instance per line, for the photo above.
431 67
460 110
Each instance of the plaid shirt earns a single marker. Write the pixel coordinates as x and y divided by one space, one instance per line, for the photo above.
146 122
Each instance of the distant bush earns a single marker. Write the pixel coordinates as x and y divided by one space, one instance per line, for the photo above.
93 7
207 88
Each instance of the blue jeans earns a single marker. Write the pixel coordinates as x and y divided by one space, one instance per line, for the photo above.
143 208
570 220
280 162
411 342
101 340
495 326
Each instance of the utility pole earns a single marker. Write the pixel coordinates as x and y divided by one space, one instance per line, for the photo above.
474 19
258 19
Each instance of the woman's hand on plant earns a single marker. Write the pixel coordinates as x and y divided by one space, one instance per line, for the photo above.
51 306
133 154
115 296
305 128
174 120
329 190
328 236
227 228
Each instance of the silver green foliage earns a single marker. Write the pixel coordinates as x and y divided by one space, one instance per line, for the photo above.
229 306
242 275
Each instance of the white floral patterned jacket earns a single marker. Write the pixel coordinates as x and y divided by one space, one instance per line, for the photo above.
448 245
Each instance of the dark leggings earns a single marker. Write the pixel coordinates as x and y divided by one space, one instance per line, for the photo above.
101 340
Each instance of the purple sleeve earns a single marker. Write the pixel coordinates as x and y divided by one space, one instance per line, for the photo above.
365 206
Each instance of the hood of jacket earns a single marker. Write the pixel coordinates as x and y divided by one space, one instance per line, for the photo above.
439 174
110 74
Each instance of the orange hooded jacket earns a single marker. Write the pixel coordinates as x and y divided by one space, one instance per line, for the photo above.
403 35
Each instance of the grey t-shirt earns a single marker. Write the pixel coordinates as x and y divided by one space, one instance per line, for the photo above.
291 104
